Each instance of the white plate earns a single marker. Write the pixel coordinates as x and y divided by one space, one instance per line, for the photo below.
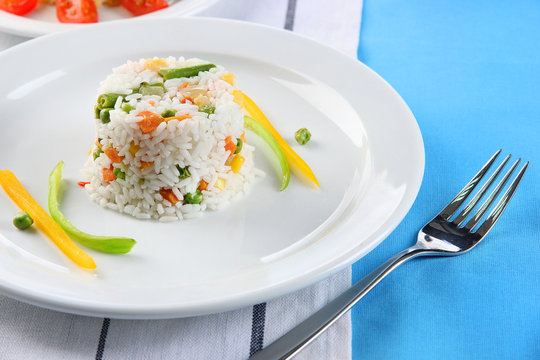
366 151
43 19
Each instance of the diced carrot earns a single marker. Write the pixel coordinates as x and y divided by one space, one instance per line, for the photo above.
20 196
145 165
202 185
243 136
112 154
98 144
108 174
83 183
183 101
169 195
150 121
185 85
152 102
230 145
179 117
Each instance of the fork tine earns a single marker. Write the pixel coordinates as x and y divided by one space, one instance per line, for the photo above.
501 205
466 191
470 206
485 206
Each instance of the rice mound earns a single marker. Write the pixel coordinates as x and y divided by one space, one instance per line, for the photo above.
166 147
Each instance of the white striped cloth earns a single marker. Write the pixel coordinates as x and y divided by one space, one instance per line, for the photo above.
29 332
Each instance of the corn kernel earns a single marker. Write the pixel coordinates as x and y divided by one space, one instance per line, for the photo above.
237 163
133 148
220 184
228 77
154 64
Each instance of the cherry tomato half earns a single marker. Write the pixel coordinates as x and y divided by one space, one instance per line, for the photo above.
141 7
18 7
76 11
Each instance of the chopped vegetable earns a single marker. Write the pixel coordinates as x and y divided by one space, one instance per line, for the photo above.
18 7
168 113
97 111
184 72
15 190
104 115
169 195
127 107
302 136
145 165
152 89
141 7
209 109
150 121
237 163
112 154
22 220
238 97
220 184
239 145
194 197
228 77
154 64
186 98
108 174
203 185
76 11
107 244
107 100
97 153
260 130
185 85
184 172
83 183
179 117
230 145
297 164
133 148
119 173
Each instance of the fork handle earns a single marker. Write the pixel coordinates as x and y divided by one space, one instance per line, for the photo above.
304 333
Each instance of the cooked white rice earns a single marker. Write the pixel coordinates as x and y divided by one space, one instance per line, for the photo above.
151 163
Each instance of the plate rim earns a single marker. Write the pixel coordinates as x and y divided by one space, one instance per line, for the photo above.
256 296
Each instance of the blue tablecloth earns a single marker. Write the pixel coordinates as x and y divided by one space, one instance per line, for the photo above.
470 72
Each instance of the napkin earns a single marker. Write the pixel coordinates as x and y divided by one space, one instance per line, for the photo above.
31 332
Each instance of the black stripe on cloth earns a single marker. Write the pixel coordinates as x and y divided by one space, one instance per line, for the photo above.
257 328
103 338
289 19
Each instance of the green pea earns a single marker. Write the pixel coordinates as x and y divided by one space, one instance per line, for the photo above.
194 197
302 136
184 172
97 153
104 115
119 173
126 107
168 113
107 100
239 145
22 220
209 109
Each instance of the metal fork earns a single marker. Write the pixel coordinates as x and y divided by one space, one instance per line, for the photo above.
442 236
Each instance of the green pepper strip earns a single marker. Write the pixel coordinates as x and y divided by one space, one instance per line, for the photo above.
258 129
184 72
107 244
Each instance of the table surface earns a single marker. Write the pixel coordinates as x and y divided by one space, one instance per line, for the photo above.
470 72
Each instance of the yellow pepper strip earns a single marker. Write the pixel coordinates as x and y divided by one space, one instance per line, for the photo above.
20 196
299 166
228 77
